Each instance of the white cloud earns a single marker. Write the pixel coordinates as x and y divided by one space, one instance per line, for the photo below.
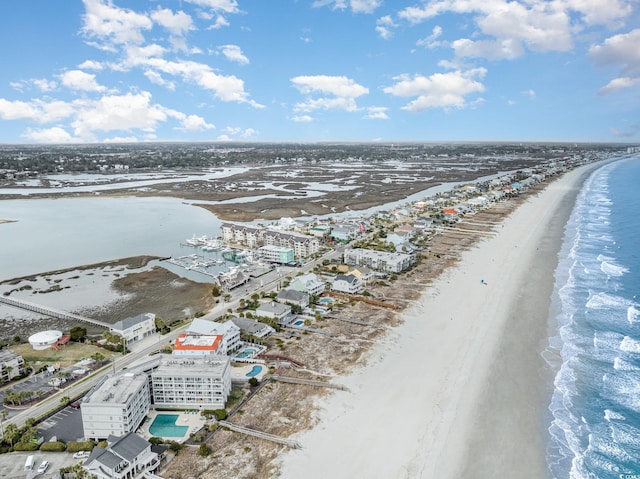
384 26
633 131
233 53
507 29
91 65
376 113
365 6
431 41
157 79
622 51
121 139
219 23
104 22
357 6
49 135
79 80
618 84
195 123
530 93
227 6
177 24
45 85
598 12
38 111
302 119
237 132
342 90
41 84
440 90
117 113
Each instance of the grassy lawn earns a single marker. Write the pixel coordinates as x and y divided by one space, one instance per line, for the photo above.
67 355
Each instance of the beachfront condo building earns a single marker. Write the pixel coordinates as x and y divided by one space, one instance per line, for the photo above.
116 407
379 260
189 344
191 382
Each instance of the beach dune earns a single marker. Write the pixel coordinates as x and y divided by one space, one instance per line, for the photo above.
459 389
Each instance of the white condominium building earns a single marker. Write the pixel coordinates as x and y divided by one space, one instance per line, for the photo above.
379 260
117 407
202 382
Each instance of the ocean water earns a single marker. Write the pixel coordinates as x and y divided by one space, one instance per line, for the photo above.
595 407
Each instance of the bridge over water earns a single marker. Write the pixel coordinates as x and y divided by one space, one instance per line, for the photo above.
47 311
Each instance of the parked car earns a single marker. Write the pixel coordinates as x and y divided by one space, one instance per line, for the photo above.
75 404
44 465
81 454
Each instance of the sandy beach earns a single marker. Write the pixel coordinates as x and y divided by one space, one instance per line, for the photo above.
460 388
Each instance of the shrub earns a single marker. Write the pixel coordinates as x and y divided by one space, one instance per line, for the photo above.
56 446
204 450
103 444
75 446
25 446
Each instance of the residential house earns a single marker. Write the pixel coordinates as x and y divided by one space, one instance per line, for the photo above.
271 309
254 328
136 327
345 232
308 283
347 284
125 457
292 296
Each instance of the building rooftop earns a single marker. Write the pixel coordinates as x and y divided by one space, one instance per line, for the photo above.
198 342
117 389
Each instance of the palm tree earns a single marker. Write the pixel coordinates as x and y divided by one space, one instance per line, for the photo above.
3 416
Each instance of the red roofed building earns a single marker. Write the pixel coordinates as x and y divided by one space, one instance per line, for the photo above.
198 345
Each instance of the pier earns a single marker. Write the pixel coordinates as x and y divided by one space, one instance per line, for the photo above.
47 311
308 382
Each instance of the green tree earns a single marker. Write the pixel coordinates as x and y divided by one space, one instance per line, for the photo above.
78 334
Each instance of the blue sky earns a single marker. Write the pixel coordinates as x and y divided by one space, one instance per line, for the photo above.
81 71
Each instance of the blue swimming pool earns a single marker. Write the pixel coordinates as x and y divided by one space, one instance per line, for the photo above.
254 371
164 425
298 323
246 352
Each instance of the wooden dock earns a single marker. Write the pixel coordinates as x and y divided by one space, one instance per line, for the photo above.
52 312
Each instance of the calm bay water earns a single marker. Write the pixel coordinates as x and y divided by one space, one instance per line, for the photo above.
63 233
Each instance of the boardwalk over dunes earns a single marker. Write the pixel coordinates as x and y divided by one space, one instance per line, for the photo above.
47 311
308 382
262 435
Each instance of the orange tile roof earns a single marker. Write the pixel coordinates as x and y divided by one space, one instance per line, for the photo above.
198 342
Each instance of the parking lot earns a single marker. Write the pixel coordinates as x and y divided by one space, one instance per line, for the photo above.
65 425
12 464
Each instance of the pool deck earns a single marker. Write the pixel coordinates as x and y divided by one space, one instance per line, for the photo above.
239 373
193 420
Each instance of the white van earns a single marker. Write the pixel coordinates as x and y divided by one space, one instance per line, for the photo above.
28 465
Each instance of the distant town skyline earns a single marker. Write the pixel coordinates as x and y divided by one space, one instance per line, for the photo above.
96 71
